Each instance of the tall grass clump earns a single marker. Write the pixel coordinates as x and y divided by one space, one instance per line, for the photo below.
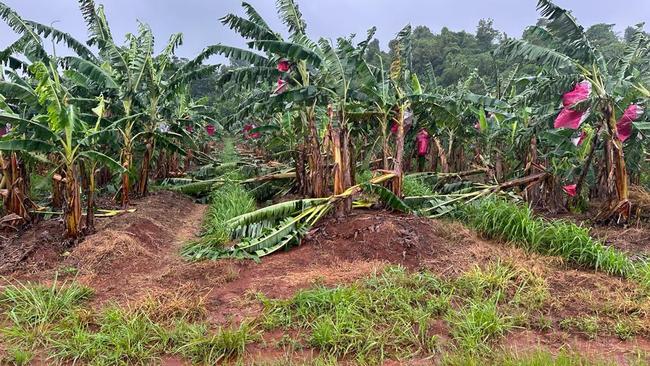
503 220
32 309
227 201
414 186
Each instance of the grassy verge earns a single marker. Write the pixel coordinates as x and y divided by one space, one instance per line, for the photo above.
517 224
57 323
227 201
398 315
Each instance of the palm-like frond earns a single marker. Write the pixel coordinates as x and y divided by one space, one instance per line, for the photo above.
292 51
249 29
637 48
387 197
58 36
564 27
291 16
240 54
546 57
22 27
92 71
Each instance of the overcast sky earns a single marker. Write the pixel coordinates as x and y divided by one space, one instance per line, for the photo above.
198 19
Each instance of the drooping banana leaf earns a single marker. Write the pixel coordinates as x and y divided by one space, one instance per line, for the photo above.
387 197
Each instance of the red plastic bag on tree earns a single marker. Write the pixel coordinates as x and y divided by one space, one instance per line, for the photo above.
580 93
571 190
624 124
422 142
284 66
569 118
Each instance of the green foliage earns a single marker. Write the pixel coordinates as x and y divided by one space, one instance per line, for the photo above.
535 358
588 325
478 323
384 316
33 308
415 186
514 223
57 321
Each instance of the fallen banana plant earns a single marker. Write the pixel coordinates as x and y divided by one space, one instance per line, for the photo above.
267 230
461 193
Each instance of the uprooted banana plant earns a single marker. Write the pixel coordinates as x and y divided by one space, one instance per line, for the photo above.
452 196
272 228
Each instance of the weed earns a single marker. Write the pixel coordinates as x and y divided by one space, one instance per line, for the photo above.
625 329
515 223
474 325
588 325
387 315
415 187
199 346
17 357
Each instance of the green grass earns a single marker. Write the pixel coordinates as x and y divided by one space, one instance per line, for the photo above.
387 315
226 202
57 322
517 224
476 324
414 186
536 358
587 325
397 314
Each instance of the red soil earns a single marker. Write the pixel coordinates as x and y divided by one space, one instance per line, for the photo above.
137 254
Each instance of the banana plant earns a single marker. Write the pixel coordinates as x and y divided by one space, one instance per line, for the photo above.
571 57
59 129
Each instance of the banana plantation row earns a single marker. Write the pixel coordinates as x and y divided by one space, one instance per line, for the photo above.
116 115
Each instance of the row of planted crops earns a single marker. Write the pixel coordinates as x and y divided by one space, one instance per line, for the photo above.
561 127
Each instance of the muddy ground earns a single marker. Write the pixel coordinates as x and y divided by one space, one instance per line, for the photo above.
137 254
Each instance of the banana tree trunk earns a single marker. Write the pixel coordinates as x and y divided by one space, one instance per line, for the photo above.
585 169
385 149
72 208
532 192
342 167
126 163
620 204
316 166
57 191
188 160
442 155
398 166
143 183
301 175
15 187
90 197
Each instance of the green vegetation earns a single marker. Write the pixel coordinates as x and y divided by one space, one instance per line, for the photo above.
227 201
58 323
517 224
393 314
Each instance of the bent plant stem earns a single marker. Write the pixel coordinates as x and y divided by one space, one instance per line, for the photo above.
622 205
127 158
399 155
